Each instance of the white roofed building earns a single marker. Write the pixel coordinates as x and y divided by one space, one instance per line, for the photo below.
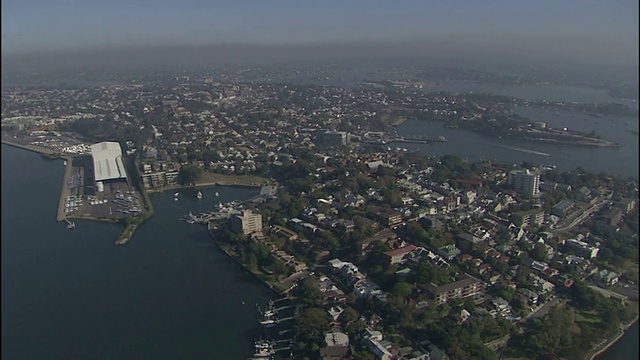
107 161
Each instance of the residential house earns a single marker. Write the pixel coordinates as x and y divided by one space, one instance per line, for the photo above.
336 346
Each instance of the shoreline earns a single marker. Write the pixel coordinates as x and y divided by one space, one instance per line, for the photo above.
127 233
203 185
35 148
264 282
610 343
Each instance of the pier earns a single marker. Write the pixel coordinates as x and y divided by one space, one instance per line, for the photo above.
70 224
65 192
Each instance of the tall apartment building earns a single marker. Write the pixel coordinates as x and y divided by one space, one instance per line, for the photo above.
246 223
332 138
525 181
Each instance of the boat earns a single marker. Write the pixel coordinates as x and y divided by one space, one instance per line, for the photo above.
176 194
263 349
217 193
199 195
175 199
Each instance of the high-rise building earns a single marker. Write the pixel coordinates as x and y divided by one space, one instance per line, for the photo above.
332 138
525 181
246 223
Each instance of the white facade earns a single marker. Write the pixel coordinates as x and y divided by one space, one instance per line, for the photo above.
525 182
246 223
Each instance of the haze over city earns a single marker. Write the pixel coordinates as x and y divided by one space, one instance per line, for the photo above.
604 34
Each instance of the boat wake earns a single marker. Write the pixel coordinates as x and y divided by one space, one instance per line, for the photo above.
515 148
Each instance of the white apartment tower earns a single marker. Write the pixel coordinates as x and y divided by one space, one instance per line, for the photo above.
525 181
247 222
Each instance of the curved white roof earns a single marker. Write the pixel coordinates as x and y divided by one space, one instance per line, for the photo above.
107 161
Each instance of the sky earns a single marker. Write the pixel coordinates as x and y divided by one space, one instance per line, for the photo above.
586 30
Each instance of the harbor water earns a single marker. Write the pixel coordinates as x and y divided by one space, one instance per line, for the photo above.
72 294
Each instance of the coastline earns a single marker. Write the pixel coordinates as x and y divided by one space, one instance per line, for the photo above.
255 275
128 231
610 343
34 148
204 185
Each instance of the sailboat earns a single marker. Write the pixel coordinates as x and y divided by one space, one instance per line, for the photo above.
199 194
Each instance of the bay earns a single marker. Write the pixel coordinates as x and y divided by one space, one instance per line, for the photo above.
626 348
621 161
168 294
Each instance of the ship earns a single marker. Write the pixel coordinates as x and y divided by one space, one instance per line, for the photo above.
199 195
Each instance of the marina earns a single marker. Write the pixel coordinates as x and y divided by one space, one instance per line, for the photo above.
277 323
218 212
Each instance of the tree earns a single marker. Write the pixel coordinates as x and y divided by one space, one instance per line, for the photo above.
310 324
189 174
539 252
401 289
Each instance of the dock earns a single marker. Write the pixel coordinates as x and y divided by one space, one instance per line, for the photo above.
70 224
65 191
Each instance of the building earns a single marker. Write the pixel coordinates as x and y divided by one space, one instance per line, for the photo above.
160 179
378 349
246 223
397 255
448 252
531 217
627 205
582 248
562 208
388 218
466 287
332 138
525 181
336 345
108 163
606 277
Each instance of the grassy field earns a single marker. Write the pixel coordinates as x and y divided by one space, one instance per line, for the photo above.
587 316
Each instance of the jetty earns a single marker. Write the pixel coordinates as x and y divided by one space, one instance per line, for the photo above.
70 224
65 191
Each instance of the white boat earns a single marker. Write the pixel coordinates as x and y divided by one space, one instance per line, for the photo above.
217 193
263 349
176 194
175 199
199 194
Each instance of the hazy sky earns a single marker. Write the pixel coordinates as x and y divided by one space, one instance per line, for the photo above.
606 29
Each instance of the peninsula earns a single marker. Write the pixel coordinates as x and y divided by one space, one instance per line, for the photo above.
378 251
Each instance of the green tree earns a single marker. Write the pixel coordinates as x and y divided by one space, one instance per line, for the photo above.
189 174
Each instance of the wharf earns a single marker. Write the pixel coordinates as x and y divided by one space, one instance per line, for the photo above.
34 148
65 191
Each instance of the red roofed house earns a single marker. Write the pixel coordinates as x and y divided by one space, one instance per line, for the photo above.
396 255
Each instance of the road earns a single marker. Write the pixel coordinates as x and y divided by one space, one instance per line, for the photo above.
585 213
